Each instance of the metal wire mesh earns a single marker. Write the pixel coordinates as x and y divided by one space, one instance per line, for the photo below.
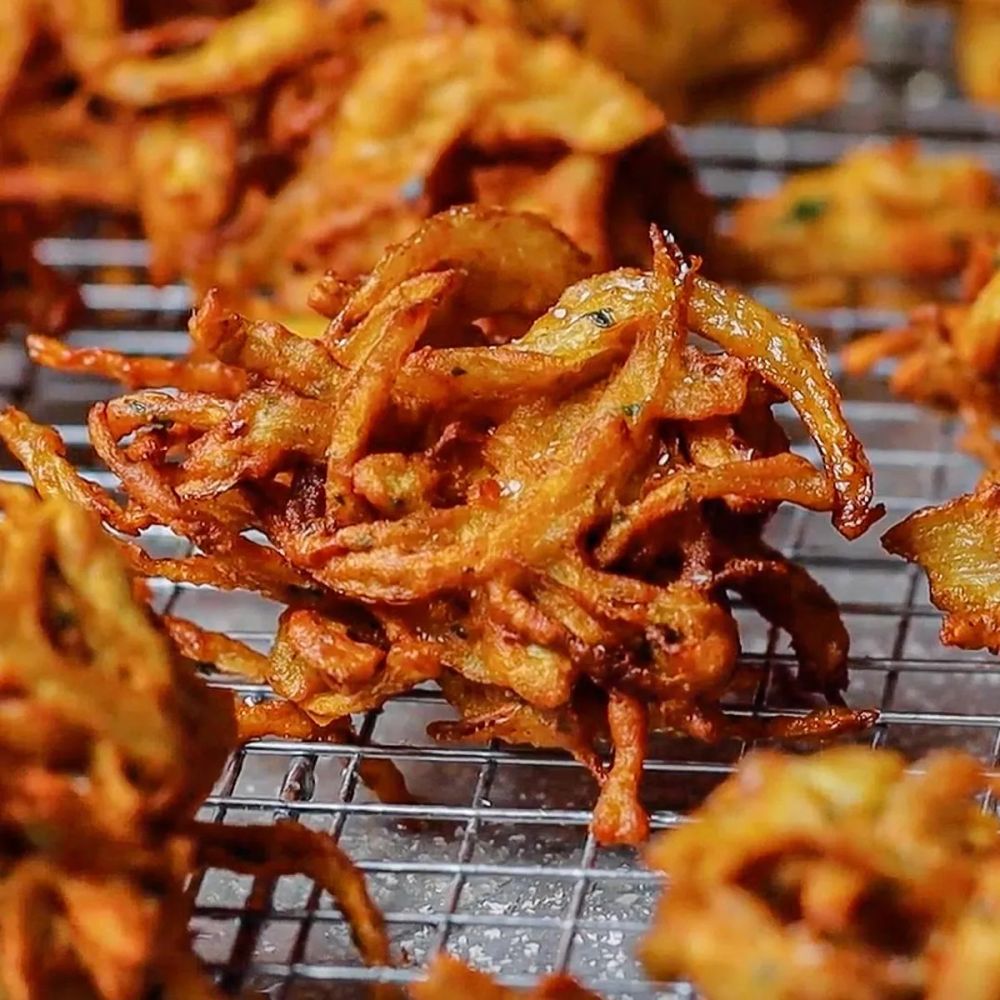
498 866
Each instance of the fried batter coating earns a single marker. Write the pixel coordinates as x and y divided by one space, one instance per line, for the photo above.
882 212
260 148
448 978
497 473
838 875
106 740
109 744
949 355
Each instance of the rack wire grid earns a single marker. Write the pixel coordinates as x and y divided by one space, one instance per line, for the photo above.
497 865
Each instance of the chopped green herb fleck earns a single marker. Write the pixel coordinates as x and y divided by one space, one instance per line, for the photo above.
632 410
807 209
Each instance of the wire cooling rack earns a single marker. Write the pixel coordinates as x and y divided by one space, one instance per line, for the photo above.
498 866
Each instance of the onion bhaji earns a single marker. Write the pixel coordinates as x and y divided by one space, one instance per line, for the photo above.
957 545
838 876
109 744
882 217
949 355
495 470
260 147
763 61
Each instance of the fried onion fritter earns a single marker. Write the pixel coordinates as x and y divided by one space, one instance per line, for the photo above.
957 544
880 213
833 876
949 355
487 112
109 744
261 147
107 740
497 473
763 61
